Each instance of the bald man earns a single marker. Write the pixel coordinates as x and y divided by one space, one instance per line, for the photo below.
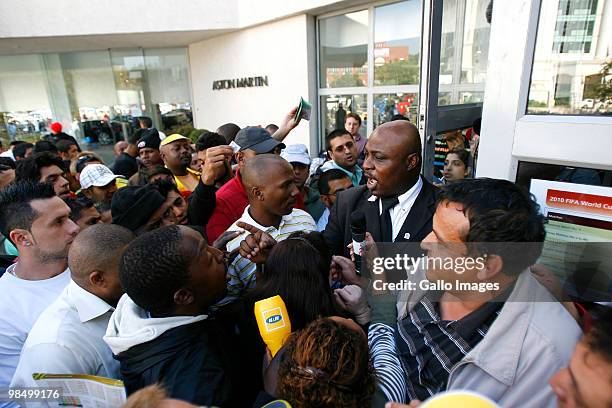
398 203
67 337
269 183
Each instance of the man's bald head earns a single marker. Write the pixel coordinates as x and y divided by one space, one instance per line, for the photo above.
400 134
97 248
262 169
269 182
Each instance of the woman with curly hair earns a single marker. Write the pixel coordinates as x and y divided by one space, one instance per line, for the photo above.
327 364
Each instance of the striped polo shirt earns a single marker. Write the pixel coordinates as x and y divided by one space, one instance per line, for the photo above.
242 271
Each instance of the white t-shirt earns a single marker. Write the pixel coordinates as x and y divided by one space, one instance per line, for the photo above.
67 339
21 302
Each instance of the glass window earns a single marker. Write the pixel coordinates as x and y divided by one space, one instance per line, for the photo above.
24 104
464 50
476 33
397 43
343 50
168 79
335 107
388 105
571 73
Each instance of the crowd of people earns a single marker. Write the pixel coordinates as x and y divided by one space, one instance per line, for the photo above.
148 270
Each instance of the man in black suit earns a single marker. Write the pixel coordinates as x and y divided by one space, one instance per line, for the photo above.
397 201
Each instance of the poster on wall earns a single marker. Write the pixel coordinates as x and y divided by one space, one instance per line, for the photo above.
578 245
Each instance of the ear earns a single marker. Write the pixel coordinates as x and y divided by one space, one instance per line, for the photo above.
413 161
239 156
325 200
96 278
183 297
21 237
494 265
468 170
257 193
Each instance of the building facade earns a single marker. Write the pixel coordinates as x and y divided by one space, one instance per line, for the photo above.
538 72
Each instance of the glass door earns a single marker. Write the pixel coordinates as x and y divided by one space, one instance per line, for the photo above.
453 73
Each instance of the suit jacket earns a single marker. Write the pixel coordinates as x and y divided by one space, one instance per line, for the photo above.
418 223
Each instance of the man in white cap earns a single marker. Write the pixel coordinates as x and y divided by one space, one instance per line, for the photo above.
176 152
98 183
308 199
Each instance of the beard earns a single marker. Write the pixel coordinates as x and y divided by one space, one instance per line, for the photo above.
48 256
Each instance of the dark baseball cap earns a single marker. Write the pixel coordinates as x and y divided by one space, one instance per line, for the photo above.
257 139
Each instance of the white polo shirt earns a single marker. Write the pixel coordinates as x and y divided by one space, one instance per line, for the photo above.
67 339
242 270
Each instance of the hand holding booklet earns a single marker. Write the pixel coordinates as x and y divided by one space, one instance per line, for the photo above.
303 111
80 390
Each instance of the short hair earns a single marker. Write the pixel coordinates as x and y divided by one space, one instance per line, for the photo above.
44 146
599 338
399 117
103 206
7 161
63 145
326 364
98 247
16 142
15 209
21 149
29 168
145 121
297 270
77 205
155 170
462 153
330 175
334 134
209 139
136 136
165 187
271 128
354 116
153 268
499 213
228 131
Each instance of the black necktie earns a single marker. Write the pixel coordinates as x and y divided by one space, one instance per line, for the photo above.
386 226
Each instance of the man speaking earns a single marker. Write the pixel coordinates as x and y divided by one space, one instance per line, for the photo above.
398 203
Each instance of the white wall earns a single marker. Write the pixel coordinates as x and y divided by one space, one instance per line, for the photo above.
278 50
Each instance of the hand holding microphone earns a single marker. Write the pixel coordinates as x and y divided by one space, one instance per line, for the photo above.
273 322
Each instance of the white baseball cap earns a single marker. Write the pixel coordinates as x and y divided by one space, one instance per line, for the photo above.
296 153
96 175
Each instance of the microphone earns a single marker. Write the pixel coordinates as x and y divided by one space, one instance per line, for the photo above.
358 230
273 321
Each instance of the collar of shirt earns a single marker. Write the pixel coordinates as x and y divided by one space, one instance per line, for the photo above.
355 177
88 305
406 200
246 217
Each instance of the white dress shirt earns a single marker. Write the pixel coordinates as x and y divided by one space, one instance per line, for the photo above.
402 209
67 339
